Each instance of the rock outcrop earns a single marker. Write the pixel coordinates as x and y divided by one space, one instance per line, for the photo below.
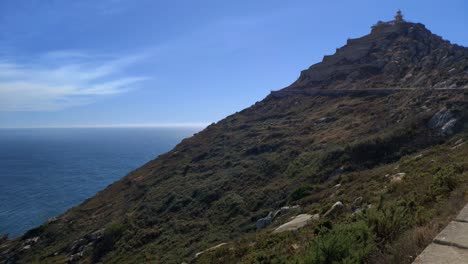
335 210
210 249
268 220
296 223
394 55
444 122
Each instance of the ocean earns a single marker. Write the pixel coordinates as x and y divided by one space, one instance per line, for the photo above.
45 171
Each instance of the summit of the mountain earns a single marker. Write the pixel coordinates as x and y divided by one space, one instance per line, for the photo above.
396 54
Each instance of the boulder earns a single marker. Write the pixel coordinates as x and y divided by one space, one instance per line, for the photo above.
96 235
52 220
335 210
75 258
448 128
396 178
458 146
31 241
78 245
210 249
281 211
357 211
444 122
296 223
316 217
264 222
357 202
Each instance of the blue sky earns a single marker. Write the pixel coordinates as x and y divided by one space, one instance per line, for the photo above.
148 62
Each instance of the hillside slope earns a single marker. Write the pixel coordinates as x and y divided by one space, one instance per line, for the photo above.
285 150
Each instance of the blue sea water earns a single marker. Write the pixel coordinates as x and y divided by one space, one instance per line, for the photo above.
45 171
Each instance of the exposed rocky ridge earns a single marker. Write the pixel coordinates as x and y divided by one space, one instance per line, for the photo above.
214 186
405 55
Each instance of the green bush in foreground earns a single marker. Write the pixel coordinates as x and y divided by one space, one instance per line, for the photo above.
345 243
444 182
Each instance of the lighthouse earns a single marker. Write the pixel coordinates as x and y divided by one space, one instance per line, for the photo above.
399 17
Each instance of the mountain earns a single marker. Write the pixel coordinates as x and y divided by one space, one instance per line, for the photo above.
396 55
376 132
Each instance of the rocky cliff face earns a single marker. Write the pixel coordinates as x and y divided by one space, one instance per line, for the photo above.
405 55
308 149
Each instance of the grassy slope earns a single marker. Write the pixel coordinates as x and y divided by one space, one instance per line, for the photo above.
212 187
423 203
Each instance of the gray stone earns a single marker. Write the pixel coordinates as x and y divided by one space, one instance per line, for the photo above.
458 141
210 249
75 257
444 122
335 210
357 211
280 211
52 220
296 223
264 222
397 177
357 202
77 245
95 235
31 241
440 254
455 234
448 127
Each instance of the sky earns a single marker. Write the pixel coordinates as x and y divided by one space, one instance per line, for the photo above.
73 63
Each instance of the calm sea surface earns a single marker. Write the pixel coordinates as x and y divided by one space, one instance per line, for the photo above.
43 172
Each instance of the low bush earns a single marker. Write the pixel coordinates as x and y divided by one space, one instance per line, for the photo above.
387 222
300 193
444 182
344 243
35 232
111 235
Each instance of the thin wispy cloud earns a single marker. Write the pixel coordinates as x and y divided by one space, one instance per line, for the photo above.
62 79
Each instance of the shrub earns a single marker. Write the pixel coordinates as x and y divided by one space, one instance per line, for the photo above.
388 222
111 235
300 193
444 181
345 243
35 232
231 204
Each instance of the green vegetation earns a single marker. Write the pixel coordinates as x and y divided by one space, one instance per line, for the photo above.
301 192
345 243
403 219
445 181
213 187
107 243
35 232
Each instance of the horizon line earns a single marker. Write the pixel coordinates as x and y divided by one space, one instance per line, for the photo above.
160 125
